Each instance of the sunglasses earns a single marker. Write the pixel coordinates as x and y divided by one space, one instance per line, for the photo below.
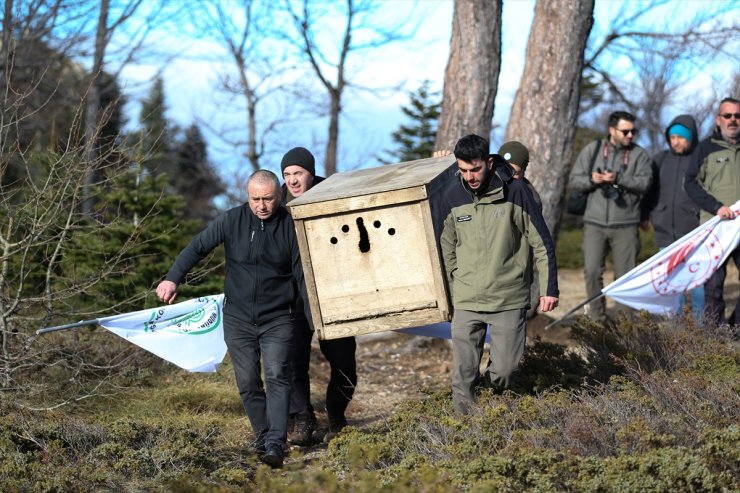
631 131
728 116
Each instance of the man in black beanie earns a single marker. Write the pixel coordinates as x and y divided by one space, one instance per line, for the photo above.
301 174
298 167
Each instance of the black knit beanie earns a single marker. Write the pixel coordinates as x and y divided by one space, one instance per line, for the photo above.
299 156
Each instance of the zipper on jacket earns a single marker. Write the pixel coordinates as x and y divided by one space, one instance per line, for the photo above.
256 271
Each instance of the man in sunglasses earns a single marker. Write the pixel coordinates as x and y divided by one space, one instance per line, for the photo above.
713 182
615 172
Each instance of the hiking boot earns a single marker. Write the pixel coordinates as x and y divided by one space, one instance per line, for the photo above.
273 456
305 424
336 425
258 444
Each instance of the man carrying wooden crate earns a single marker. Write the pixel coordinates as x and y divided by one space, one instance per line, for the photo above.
263 267
493 220
298 167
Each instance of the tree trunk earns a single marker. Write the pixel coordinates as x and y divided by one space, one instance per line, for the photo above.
471 76
545 109
92 107
332 142
253 154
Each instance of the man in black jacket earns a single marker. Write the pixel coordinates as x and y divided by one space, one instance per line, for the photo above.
299 169
262 267
672 212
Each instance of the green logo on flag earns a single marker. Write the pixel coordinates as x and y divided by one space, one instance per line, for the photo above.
199 321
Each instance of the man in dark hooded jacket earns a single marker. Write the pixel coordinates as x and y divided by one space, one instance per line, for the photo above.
671 211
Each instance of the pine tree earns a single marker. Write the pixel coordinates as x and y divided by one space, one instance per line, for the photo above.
416 140
157 135
196 180
139 235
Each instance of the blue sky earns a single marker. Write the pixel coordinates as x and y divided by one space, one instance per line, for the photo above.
368 119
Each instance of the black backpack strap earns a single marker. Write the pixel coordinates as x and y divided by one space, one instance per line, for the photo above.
593 157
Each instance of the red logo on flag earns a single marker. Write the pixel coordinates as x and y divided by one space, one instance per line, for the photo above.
688 267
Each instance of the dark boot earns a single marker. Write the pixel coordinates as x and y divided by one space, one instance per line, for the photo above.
336 425
258 444
273 456
305 424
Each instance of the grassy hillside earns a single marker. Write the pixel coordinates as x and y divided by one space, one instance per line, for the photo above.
649 405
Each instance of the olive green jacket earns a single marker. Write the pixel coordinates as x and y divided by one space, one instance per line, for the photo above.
486 243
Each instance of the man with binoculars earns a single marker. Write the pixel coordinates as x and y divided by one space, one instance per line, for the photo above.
615 172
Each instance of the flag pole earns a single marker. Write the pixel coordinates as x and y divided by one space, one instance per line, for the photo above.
573 310
81 323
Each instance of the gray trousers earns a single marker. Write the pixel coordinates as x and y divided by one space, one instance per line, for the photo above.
508 335
624 244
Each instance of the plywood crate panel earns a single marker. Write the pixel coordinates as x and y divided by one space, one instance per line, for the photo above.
369 248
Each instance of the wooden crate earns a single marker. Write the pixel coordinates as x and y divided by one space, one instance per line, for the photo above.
369 248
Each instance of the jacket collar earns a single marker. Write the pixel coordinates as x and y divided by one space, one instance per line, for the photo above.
493 188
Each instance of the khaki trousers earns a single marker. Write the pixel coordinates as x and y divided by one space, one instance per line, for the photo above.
508 331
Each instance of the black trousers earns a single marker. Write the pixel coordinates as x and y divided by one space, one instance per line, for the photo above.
714 300
252 349
340 353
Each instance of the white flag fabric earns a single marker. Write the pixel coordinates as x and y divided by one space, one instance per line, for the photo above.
657 284
189 334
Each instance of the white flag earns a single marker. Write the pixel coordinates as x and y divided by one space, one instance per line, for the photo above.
657 284
189 334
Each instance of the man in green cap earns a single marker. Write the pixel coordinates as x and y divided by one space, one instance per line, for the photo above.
517 155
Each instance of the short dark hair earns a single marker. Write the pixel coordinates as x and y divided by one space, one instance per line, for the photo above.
729 100
264 176
620 115
472 147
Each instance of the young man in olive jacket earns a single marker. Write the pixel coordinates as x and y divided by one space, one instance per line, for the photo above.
492 221
263 265
671 211
615 172
299 168
713 181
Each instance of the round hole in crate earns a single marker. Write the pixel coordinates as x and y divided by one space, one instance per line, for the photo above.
333 240
392 231
345 229
376 224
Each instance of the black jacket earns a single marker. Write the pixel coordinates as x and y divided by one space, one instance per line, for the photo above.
262 262
671 210
301 307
